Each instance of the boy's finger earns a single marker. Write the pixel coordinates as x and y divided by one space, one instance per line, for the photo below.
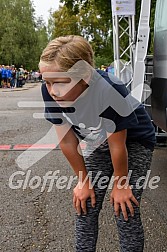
135 200
93 200
83 206
78 207
129 204
124 212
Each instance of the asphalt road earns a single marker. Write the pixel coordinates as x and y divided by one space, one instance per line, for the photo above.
33 220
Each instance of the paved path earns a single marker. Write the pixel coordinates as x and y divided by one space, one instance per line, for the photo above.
35 221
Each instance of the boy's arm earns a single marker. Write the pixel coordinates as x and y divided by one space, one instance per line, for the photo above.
120 196
119 155
69 145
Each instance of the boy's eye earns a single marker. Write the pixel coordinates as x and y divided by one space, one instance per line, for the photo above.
62 80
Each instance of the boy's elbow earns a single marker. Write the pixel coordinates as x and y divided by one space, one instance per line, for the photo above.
66 137
64 144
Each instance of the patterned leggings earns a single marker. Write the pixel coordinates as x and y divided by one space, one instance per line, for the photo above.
131 234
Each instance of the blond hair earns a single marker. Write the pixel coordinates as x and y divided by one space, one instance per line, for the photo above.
66 51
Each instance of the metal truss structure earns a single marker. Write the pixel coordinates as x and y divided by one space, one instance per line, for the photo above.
124 33
129 60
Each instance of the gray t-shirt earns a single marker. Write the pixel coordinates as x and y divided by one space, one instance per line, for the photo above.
105 106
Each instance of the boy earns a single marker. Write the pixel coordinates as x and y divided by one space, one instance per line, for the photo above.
90 105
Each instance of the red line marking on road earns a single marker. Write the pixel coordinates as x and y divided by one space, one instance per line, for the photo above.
24 147
5 147
40 146
34 146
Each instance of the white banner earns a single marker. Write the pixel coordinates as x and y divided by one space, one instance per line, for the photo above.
123 8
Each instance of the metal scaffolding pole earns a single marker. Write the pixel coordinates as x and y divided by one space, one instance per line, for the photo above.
130 50
124 33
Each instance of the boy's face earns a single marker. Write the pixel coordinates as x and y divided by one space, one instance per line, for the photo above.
63 90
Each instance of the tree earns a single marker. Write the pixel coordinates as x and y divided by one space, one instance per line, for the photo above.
88 21
21 35
93 20
103 9
42 36
65 22
51 25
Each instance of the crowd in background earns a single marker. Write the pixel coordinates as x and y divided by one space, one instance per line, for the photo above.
109 69
12 77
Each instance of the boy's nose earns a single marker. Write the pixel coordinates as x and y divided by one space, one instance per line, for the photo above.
55 94
55 91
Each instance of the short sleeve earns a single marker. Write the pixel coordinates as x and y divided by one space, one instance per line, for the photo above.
120 114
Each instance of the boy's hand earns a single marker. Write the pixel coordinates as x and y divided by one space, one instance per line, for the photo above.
80 194
121 198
